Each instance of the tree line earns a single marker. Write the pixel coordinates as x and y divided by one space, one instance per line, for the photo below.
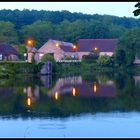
16 25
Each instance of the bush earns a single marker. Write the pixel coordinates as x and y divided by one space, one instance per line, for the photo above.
90 58
105 61
48 57
8 69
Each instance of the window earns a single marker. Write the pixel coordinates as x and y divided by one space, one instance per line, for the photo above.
0 56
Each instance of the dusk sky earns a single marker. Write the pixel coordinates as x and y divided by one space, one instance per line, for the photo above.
120 9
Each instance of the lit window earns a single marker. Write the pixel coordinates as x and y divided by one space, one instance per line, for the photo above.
0 56
74 47
57 44
41 55
95 49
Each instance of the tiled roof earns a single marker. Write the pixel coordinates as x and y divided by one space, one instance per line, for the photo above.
7 49
104 45
65 46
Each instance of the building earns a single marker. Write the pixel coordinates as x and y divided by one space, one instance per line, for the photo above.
8 53
31 53
58 49
104 46
137 61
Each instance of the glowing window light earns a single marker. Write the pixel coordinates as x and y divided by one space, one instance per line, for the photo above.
40 55
95 49
94 87
74 47
57 44
56 95
28 101
74 91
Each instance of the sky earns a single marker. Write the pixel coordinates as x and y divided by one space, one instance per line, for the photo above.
120 9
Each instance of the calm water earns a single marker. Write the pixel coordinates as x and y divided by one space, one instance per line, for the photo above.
97 105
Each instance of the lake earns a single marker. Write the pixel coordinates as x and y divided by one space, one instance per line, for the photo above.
70 106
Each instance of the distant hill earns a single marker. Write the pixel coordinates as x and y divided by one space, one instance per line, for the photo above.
25 17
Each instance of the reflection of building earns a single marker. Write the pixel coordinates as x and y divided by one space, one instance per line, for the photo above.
82 88
67 83
137 81
137 60
32 95
46 80
6 91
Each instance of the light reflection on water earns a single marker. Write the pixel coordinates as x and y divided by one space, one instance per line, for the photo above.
73 106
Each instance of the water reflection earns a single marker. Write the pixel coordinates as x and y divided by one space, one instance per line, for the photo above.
49 96
94 87
56 95
74 91
31 94
28 101
47 80
137 81
76 86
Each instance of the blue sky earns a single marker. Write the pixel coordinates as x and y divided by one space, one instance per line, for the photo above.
120 9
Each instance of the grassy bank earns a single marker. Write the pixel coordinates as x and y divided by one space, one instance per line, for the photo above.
78 68
9 69
93 68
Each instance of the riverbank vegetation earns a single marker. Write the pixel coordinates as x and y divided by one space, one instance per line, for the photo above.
10 69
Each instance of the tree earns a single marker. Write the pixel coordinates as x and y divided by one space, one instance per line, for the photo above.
8 32
21 50
129 43
49 57
104 60
92 56
40 31
137 11
120 57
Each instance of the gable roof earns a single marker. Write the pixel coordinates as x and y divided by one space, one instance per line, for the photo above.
7 49
65 46
104 45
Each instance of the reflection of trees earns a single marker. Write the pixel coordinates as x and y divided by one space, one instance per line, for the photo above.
20 81
120 80
125 84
